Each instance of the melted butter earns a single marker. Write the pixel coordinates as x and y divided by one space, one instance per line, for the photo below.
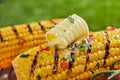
52 38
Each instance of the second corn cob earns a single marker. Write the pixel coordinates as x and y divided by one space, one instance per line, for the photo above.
77 62
19 38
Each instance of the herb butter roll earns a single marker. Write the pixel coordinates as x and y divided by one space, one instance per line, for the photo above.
67 31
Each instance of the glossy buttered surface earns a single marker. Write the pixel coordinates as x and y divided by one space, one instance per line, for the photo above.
92 54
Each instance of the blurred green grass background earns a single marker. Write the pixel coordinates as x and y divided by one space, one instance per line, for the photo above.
98 13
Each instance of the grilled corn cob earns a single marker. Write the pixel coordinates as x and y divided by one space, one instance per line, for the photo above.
67 31
77 62
19 38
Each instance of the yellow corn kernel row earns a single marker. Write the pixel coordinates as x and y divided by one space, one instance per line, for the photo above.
113 34
74 72
79 59
88 74
83 76
19 38
99 41
43 68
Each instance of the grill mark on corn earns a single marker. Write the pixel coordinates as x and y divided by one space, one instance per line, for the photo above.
56 58
88 45
42 27
72 57
1 38
6 61
89 48
87 58
107 46
54 23
34 63
29 29
14 30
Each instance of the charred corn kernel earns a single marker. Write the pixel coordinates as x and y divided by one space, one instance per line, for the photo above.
31 34
66 66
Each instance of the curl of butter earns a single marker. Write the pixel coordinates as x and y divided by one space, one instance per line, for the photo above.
67 32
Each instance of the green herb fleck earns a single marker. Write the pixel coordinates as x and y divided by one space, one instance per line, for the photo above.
38 77
92 71
73 58
64 30
105 74
112 65
118 39
51 27
17 37
24 55
40 65
41 57
64 59
98 64
84 43
82 47
71 19
102 42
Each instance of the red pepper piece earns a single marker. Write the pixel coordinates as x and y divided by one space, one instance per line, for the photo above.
92 38
91 34
47 48
111 28
118 77
21 41
41 48
64 64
